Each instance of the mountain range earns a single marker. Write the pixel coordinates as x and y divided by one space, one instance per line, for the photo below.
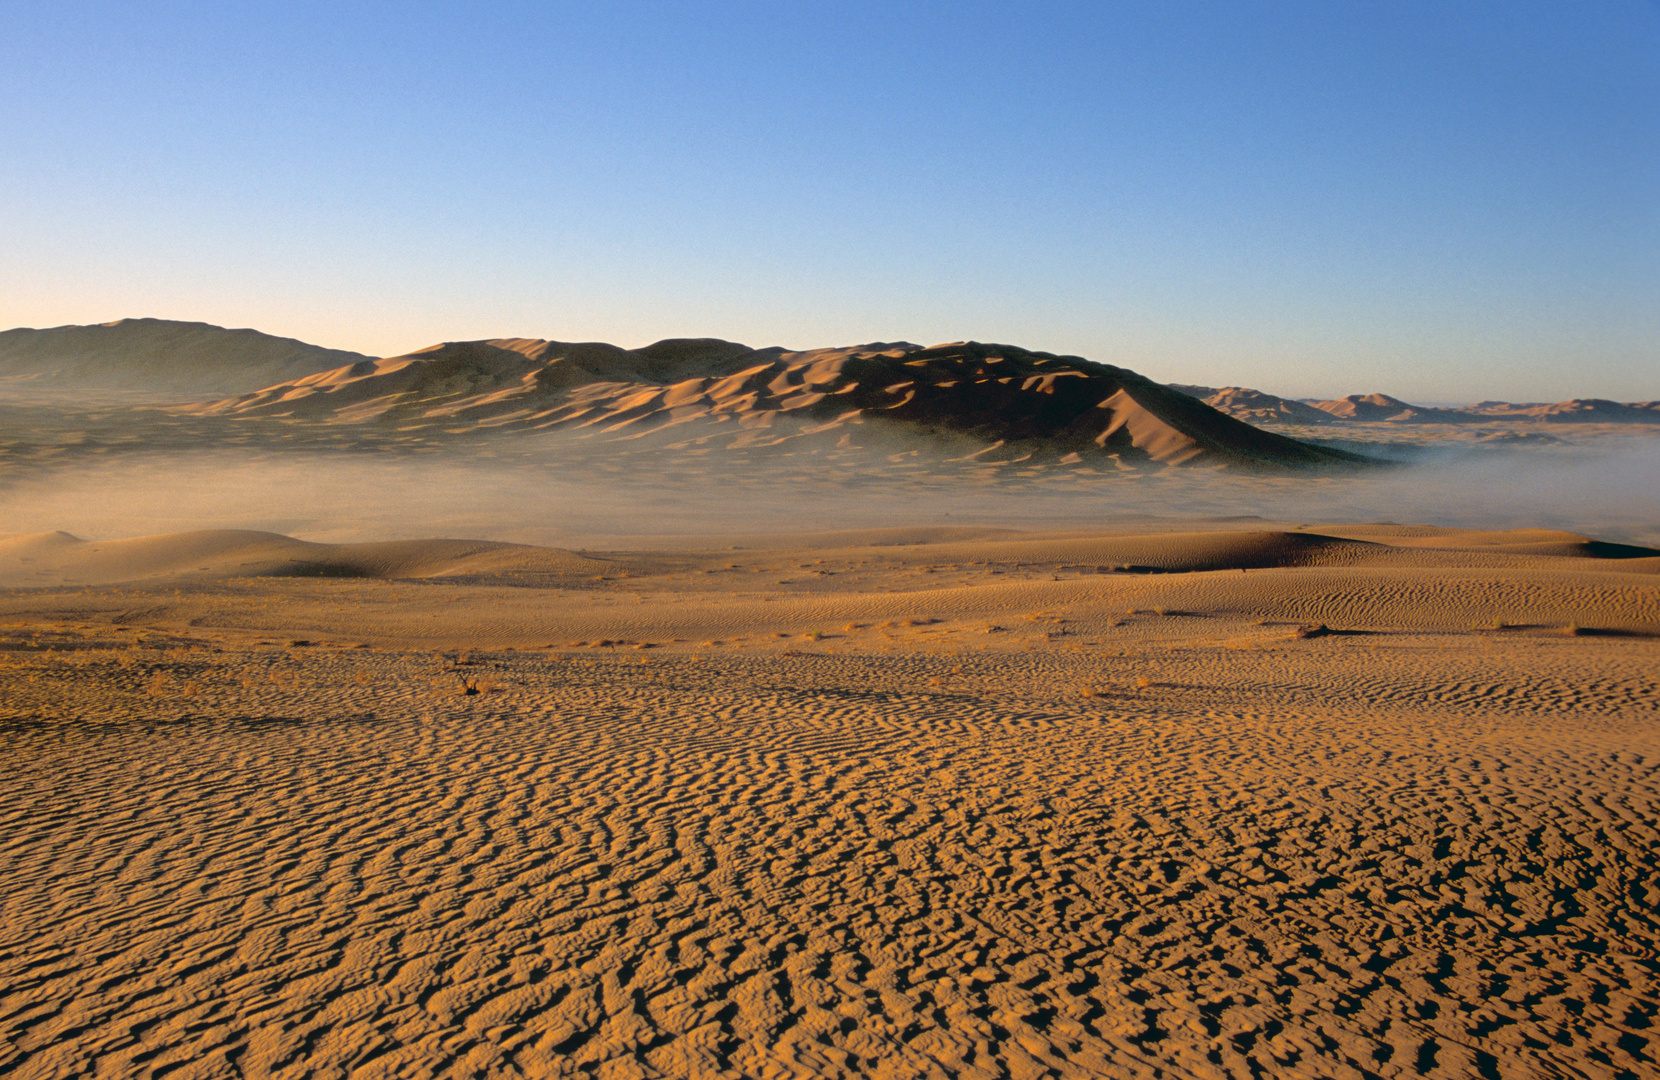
157 358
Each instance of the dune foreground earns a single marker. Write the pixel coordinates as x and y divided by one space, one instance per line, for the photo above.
1334 801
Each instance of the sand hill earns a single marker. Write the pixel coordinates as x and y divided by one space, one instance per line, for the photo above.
158 358
1578 410
1257 407
1372 408
998 402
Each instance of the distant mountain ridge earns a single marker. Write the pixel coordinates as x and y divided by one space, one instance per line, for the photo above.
1259 407
158 357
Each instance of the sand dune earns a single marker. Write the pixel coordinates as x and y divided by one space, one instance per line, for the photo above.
1371 408
1578 410
1005 403
1365 576
893 802
243 553
1258 407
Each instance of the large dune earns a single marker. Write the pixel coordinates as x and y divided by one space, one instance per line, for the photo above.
998 401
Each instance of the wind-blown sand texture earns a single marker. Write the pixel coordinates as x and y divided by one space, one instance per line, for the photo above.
918 802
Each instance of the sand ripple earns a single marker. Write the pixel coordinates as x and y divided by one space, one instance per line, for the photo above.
905 865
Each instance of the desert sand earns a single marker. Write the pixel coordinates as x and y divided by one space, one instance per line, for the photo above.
950 711
1286 800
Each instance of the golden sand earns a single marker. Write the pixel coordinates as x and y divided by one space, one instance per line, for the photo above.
1326 802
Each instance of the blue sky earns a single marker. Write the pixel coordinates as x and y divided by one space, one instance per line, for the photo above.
1443 201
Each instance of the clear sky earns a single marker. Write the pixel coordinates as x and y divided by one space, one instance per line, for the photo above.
1440 200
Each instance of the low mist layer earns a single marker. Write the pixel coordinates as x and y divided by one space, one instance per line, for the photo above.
1602 489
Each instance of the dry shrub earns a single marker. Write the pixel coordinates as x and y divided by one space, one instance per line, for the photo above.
160 684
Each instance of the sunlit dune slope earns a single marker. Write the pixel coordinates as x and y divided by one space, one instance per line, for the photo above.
997 402
245 553
1430 580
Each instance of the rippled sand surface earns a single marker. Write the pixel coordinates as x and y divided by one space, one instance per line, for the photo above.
1000 818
